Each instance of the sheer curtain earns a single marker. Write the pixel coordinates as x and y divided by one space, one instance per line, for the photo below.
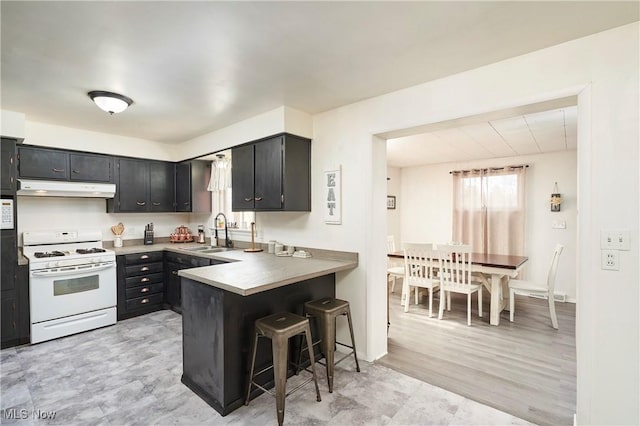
488 209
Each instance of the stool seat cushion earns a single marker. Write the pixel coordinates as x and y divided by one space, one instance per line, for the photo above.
282 323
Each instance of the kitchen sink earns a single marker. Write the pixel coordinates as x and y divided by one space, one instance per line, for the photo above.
209 249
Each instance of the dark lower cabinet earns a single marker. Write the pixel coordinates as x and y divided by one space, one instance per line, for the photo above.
140 283
14 323
174 262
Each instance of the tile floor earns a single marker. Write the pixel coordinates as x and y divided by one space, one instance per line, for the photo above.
129 374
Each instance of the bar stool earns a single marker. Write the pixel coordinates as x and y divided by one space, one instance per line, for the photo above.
326 310
279 328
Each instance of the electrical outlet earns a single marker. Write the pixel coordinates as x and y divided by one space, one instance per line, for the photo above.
614 239
610 260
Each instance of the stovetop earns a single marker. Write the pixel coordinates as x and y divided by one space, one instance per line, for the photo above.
58 253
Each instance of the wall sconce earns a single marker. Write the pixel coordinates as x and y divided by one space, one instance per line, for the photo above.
556 199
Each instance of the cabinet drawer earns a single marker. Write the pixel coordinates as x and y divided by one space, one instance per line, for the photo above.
141 302
144 290
143 269
148 257
143 280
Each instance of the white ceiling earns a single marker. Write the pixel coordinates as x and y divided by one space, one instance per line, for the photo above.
193 67
535 133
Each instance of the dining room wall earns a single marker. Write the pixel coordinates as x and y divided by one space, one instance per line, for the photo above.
394 183
425 213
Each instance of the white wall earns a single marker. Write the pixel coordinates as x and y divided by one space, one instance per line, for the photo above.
427 205
12 124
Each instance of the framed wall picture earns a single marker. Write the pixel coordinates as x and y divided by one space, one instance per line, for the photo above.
333 197
391 201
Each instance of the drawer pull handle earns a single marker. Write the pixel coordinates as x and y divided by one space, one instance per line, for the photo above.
249 199
258 198
57 170
144 290
144 280
75 171
144 256
144 301
144 268
156 204
141 203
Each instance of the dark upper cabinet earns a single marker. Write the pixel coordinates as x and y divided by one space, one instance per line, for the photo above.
8 166
192 181
132 186
42 163
90 168
161 186
143 186
272 174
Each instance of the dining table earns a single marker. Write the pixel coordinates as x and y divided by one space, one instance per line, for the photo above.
494 271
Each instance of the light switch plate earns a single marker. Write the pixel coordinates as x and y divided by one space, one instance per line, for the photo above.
614 239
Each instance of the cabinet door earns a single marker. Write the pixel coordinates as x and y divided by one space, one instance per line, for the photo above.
242 177
161 186
8 167
268 174
90 168
9 260
133 185
174 296
183 187
42 163
9 317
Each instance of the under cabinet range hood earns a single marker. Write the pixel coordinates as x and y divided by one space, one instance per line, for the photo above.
48 188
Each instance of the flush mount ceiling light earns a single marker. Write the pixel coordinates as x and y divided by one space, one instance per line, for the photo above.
109 101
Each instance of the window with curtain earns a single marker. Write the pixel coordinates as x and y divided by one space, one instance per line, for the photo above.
488 209
220 186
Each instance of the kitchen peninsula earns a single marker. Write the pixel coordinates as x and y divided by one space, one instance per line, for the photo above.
221 302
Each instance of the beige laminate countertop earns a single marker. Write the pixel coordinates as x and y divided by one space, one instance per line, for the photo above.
251 273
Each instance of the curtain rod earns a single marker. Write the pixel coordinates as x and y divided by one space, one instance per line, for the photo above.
490 169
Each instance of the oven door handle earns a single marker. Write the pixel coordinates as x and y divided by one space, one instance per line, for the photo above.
73 270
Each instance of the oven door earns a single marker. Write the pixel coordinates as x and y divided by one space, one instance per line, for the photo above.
61 292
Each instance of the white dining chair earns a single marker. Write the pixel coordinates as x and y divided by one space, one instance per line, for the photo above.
395 270
538 289
419 261
455 276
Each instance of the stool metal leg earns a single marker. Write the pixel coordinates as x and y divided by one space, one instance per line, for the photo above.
253 364
307 332
328 331
353 342
279 348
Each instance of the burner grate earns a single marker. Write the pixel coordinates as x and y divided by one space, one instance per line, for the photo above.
54 253
90 250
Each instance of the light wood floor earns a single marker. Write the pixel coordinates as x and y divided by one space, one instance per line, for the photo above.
524 368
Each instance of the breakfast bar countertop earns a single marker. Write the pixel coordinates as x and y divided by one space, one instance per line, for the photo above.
251 273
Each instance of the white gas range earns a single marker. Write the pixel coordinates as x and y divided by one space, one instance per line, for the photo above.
72 282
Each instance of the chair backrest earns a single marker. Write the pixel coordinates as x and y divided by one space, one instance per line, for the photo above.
391 244
551 276
455 265
420 263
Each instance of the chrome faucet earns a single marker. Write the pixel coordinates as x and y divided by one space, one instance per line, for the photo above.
227 241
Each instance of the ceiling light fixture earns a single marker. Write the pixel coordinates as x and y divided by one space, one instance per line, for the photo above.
109 101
